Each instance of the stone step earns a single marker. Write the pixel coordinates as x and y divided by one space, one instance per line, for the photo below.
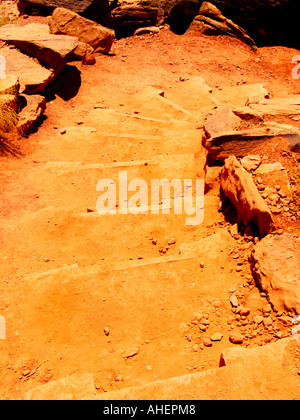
91 146
150 102
260 374
240 95
194 95
156 297
111 122
75 184
52 241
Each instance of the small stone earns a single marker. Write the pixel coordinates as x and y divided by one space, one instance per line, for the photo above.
245 312
258 319
131 352
234 301
63 131
267 309
202 265
106 330
216 337
236 338
267 321
203 327
25 372
172 241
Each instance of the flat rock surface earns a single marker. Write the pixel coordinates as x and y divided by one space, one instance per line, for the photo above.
32 76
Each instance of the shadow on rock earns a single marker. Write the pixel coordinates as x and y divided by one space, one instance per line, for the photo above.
68 83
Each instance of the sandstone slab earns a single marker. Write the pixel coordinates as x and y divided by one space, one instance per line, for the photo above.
281 106
33 107
223 120
275 263
32 76
238 186
75 387
51 50
67 22
243 143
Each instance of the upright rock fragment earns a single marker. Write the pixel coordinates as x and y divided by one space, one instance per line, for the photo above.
238 186
210 21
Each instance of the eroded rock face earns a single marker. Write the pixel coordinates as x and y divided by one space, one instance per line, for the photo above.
275 263
98 10
67 22
32 107
131 15
266 21
238 186
243 143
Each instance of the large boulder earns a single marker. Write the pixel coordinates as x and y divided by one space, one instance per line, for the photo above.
97 10
134 14
238 186
275 263
67 22
54 51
